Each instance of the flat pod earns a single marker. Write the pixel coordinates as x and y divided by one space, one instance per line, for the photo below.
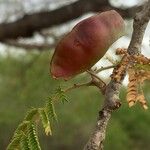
87 42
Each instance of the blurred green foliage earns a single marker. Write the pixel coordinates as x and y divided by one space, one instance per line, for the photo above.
25 83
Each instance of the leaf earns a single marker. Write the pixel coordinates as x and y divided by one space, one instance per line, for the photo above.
64 98
141 99
15 143
32 137
22 127
45 121
17 135
50 110
132 90
61 95
24 143
30 114
142 60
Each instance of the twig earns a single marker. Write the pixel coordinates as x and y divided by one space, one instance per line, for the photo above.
104 68
75 86
93 74
96 81
112 90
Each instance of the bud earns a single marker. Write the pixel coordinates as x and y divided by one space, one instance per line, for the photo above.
88 41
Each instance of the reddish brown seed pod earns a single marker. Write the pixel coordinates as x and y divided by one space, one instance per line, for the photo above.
87 42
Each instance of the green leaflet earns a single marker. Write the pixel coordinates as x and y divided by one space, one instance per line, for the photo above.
33 141
24 142
15 143
61 95
22 127
25 137
31 114
45 121
50 110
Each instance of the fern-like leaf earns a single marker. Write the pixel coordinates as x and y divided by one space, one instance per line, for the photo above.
24 143
31 114
15 143
63 98
17 135
45 121
50 110
61 95
32 137
22 127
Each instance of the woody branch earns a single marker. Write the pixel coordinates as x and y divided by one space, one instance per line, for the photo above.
111 102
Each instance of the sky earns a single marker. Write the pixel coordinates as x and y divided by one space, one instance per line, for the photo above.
10 10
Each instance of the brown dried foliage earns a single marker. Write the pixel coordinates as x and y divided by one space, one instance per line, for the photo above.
120 69
132 89
138 70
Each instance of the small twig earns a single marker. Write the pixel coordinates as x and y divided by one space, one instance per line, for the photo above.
96 81
104 68
75 86
95 76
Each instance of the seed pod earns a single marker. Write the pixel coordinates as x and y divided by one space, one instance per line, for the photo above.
87 42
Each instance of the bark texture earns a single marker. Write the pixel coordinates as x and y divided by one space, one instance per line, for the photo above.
111 102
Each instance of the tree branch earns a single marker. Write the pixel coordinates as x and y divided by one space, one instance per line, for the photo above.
26 26
31 46
112 90
140 23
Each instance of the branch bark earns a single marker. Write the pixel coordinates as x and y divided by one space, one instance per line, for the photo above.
26 26
112 90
